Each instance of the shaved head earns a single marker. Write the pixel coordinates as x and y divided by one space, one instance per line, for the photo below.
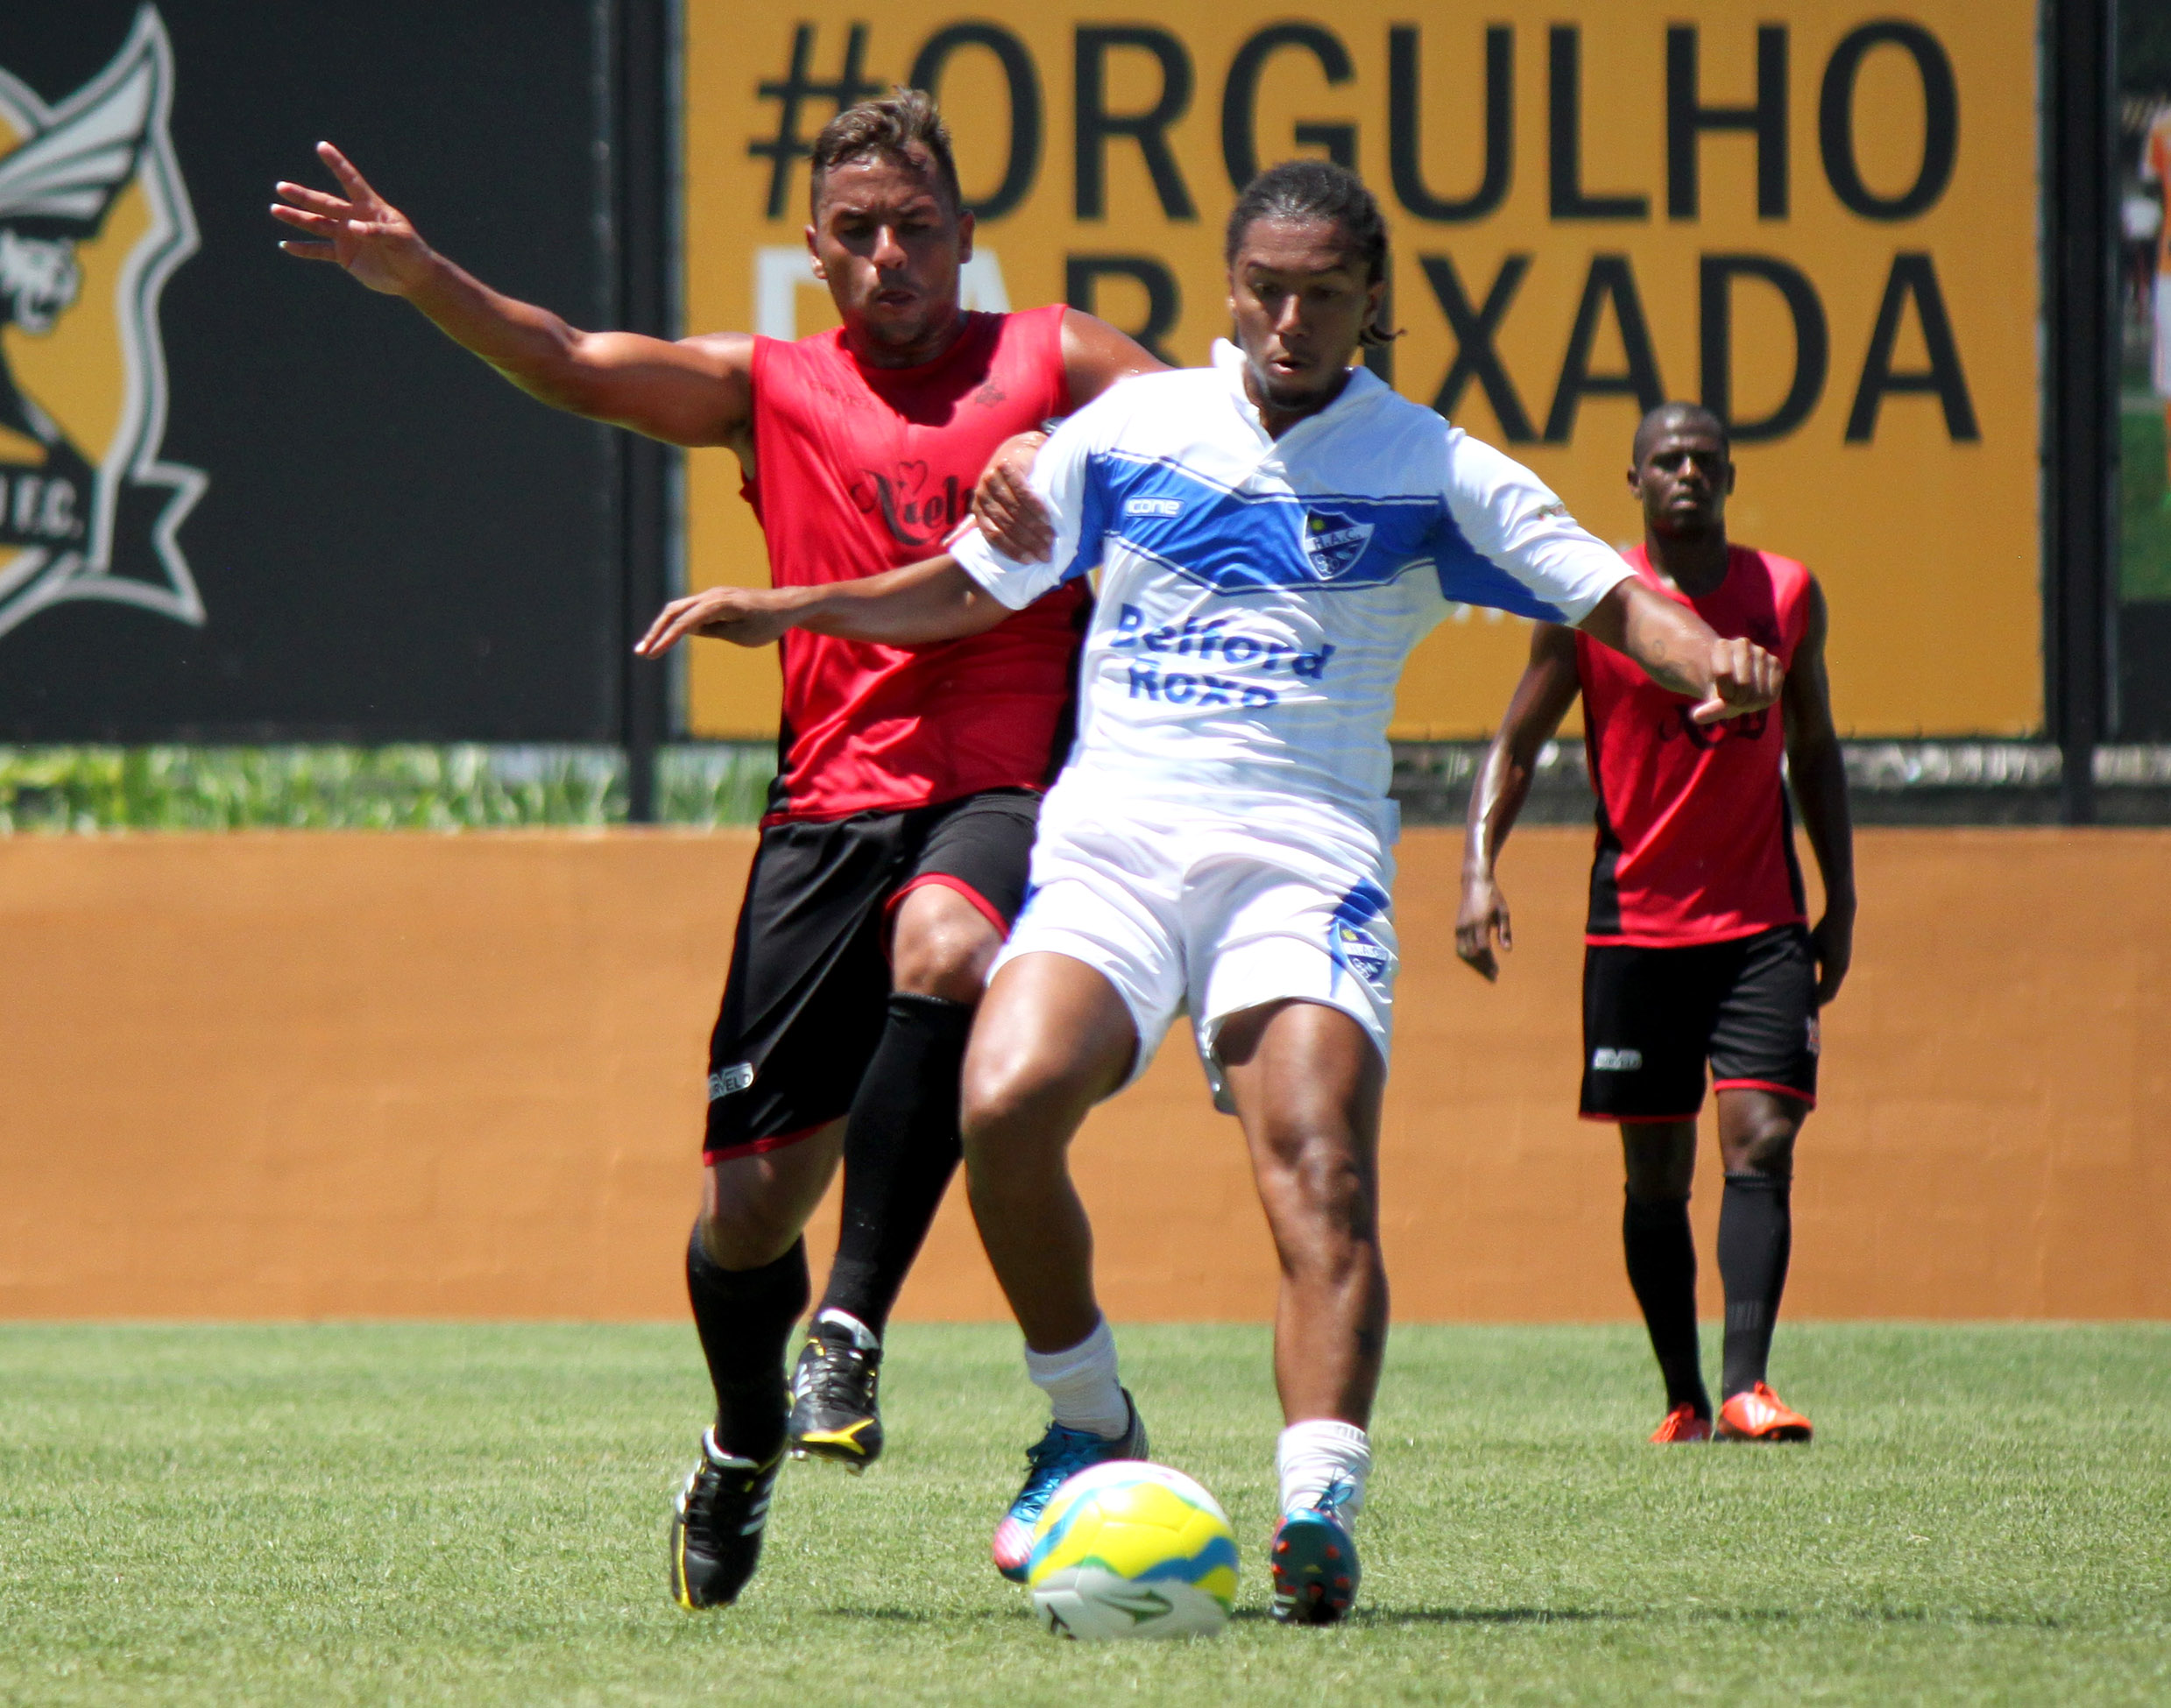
1672 418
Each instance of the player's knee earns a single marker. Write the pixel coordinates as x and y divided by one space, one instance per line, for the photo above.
745 1233
1764 1148
1326 1197
1660 1160
949 963
1010 1100
943 946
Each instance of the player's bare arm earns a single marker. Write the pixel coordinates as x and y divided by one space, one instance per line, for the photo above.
696 391
1095 356
919 605
1819 776
1541 700
1677 650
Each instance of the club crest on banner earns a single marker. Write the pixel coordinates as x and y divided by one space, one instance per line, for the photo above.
94 220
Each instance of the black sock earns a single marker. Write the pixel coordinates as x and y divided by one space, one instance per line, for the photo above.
900 1148
1755 1236
745 1318
1662 1268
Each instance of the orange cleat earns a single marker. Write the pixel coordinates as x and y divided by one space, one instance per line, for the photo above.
1683 1424
1759 1414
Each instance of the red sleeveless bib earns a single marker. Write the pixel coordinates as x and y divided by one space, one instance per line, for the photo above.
859 469
1695 838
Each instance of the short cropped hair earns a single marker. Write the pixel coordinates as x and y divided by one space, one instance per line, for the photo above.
890 128
1316 190
1666 416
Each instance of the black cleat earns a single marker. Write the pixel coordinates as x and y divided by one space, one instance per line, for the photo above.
833 1411
716 1525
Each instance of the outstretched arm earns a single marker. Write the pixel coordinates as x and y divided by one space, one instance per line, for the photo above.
1678 651
1095 358
1818 774
698 392
918 605
1541 700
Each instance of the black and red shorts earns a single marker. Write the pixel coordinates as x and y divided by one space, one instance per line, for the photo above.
809 989
1653 1017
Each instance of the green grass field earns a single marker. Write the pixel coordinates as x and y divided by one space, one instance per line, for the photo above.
474 1515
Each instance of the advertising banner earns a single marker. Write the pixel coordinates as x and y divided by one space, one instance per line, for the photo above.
241 498
2140 709
1818 218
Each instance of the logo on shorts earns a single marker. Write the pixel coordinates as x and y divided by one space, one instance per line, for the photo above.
94 219
1153 506
1616 1061
1816 1035
724 1081
1361 952
1333 544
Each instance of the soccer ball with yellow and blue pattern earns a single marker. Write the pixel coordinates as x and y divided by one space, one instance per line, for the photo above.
1132 1550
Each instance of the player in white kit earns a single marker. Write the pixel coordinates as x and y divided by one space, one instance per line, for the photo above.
1273 534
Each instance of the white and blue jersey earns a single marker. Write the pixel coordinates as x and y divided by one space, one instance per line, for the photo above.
1219 839
1259 596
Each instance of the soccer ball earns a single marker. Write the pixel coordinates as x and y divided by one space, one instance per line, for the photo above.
1132 1550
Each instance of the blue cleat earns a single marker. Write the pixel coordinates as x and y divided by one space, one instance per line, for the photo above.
1314 1561
1056 1457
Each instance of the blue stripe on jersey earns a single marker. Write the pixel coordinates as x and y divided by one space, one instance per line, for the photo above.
1244 542
1467 576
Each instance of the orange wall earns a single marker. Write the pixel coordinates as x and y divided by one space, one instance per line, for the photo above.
288 1075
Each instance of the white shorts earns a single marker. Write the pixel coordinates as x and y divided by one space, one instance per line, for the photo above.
1215 911
2163 335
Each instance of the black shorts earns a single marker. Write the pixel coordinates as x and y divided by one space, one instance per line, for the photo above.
809 989
1653 1017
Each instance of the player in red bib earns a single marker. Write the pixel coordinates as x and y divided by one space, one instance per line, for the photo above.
893 855
1697 948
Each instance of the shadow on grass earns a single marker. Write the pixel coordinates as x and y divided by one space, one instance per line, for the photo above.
1486 1616
1919 1616
929 1615
1389 1617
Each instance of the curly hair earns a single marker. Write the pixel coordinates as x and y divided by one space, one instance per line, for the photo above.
890 128
1317 190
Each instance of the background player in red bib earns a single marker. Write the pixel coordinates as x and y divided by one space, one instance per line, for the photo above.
1698 947
894 853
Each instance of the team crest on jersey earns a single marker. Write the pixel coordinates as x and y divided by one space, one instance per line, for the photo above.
1361 952
1334 543
94 220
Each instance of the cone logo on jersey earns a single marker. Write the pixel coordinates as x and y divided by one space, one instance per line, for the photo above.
94 219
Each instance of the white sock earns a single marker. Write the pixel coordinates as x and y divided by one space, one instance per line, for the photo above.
1080 1383
1319 1451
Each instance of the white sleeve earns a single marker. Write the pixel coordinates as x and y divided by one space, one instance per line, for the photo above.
1514 521
1060 477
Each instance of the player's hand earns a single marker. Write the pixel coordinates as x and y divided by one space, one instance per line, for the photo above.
1483 917
1744 678
1009 512
1833 943
744 615
361 230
